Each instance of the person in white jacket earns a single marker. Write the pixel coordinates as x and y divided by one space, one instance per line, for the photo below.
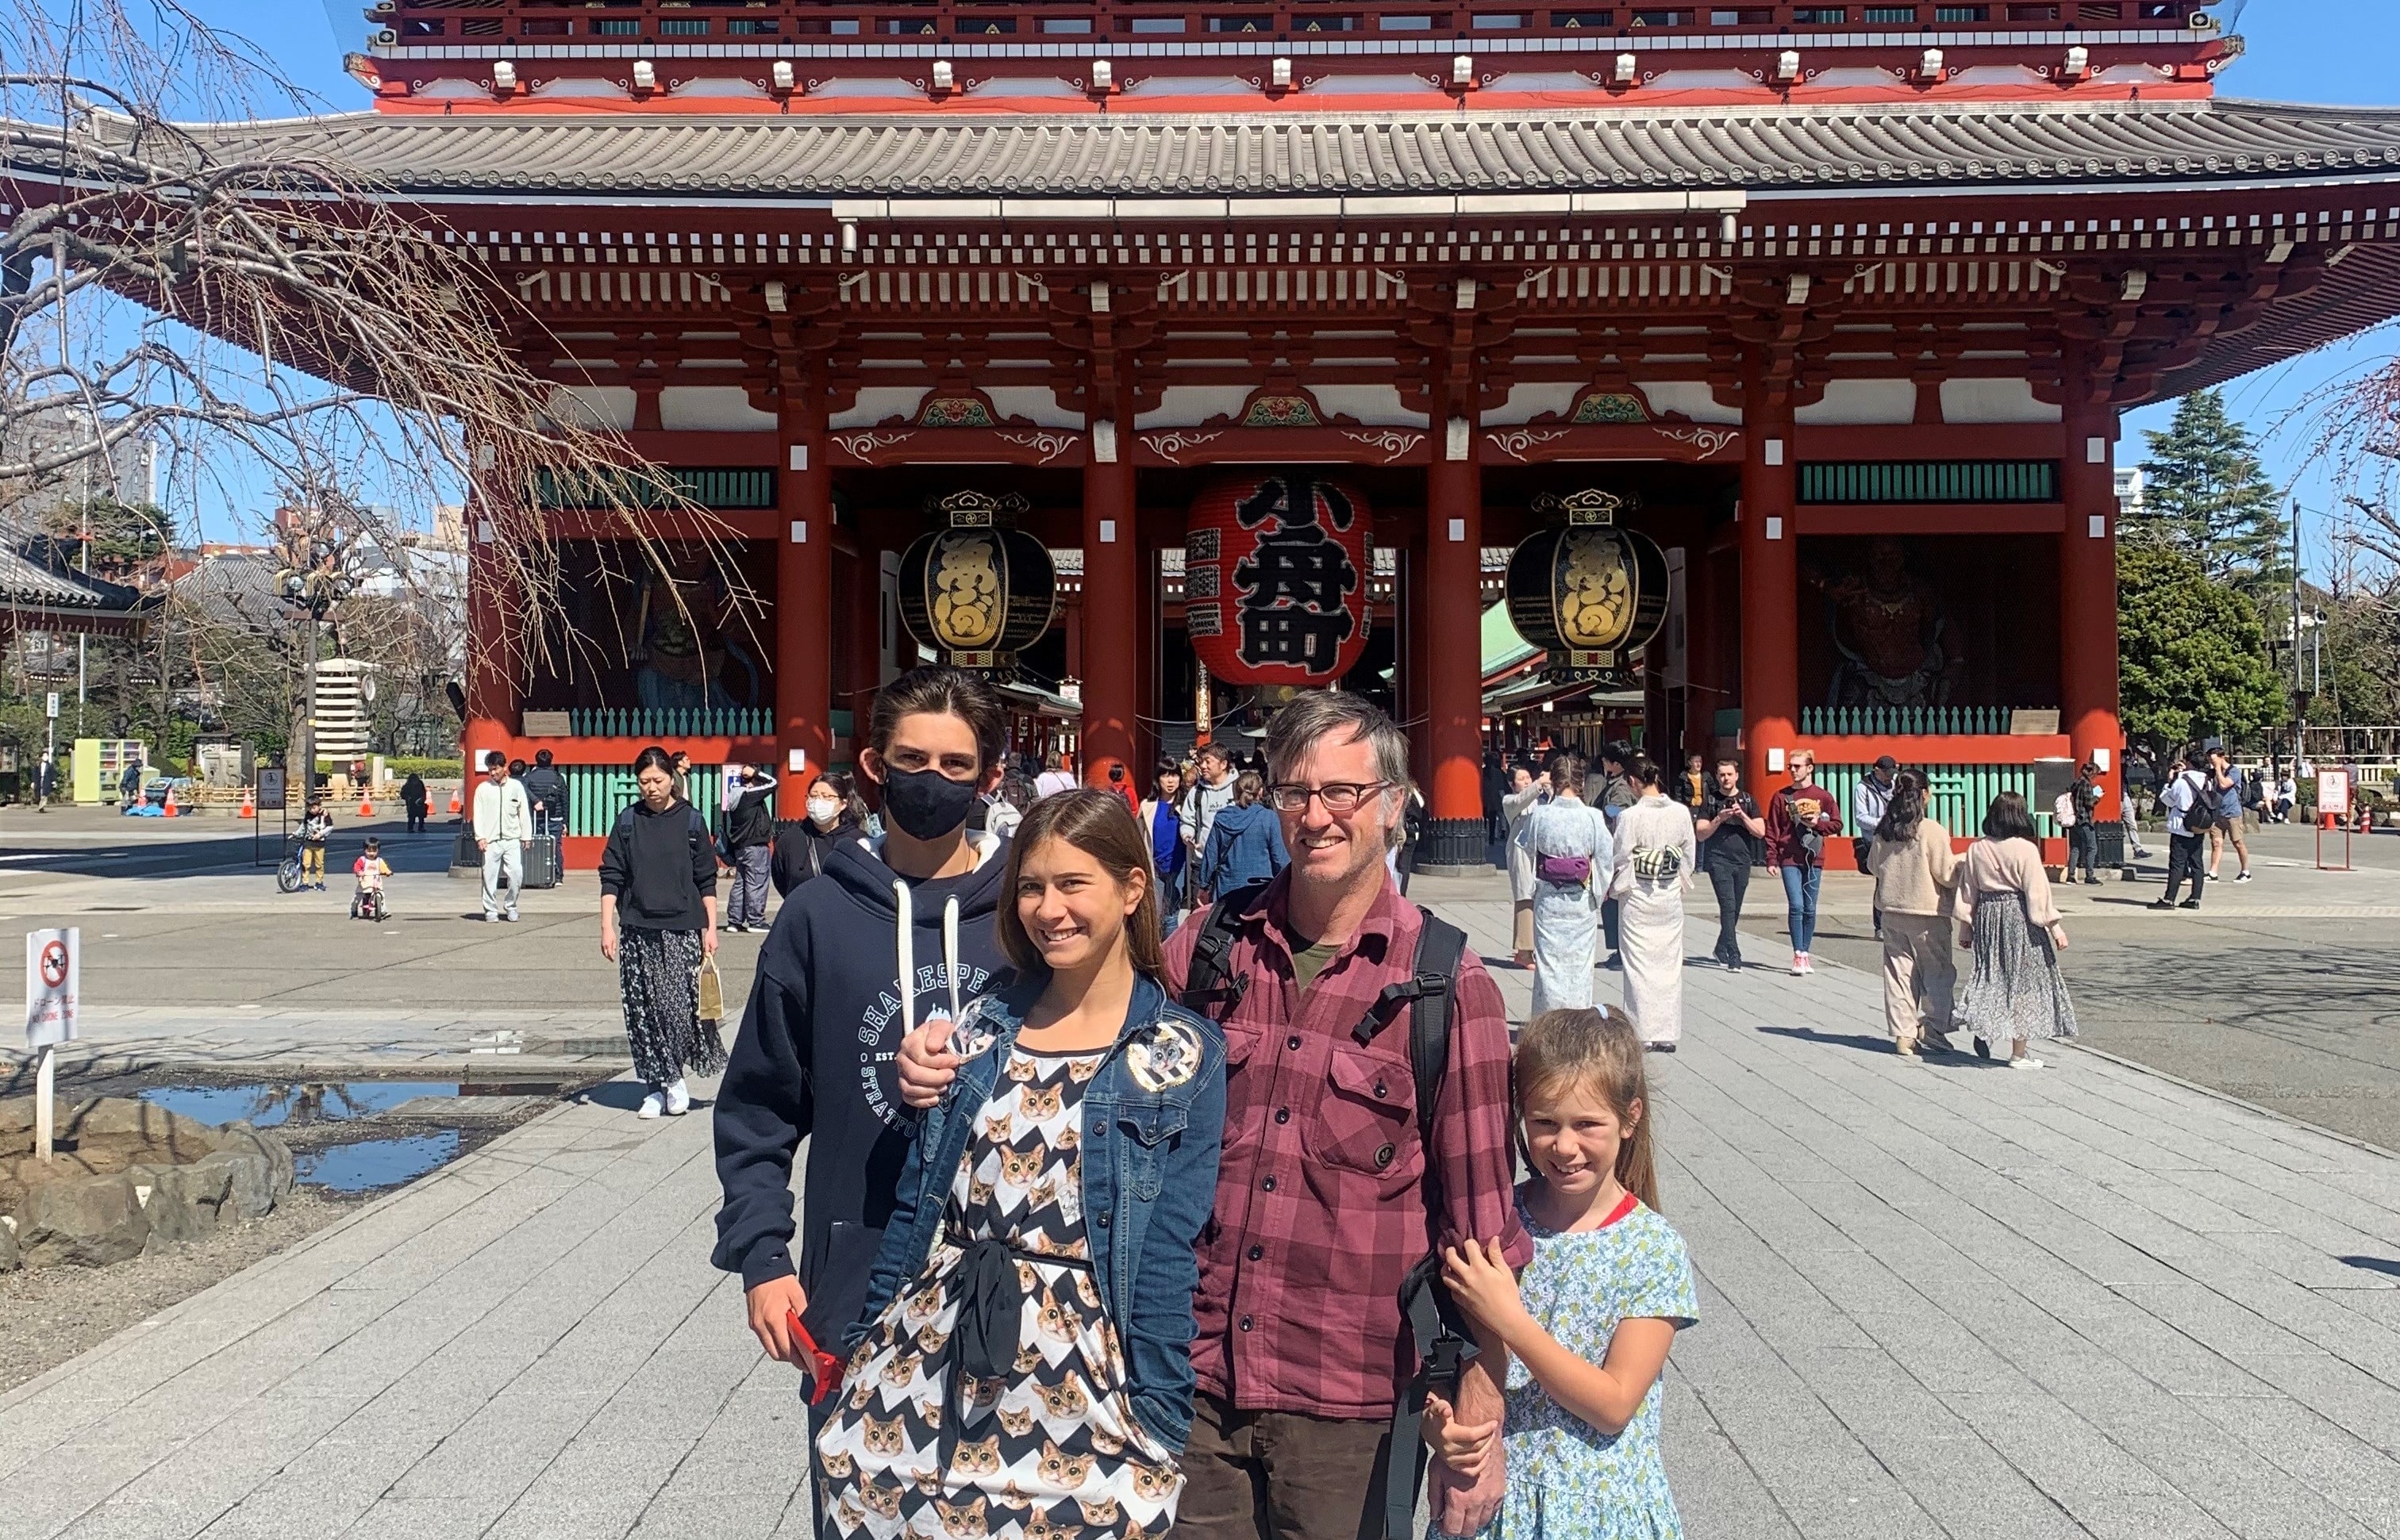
1526 791
503 823
1656 850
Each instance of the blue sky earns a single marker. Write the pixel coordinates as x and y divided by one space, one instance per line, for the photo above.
2331 51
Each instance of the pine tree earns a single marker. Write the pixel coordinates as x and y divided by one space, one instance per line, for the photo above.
2206 497
2191 655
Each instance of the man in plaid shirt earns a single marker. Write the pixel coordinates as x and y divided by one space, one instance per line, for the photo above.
1322 1194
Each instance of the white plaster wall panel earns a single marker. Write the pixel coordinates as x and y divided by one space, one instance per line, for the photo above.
712 409
1190 405
1692 398
1527 402
876 402
1033 402
608 406
1861 401
1995 401
1378 405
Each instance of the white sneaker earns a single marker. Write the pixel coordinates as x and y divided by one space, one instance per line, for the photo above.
1808 963
678 1099
2241 876
652 1105
2025 1061
1799 963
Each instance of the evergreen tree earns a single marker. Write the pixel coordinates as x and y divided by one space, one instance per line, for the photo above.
2206 497
2192 653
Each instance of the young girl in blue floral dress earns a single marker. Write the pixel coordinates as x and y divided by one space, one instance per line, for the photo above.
1588 1325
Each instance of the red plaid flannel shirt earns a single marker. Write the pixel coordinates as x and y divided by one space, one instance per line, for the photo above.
1321 1198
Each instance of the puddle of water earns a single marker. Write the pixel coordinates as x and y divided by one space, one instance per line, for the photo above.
371 1164
268 1106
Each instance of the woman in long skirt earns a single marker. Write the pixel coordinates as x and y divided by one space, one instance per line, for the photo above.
1573 856
658 921
1656 848
2007 916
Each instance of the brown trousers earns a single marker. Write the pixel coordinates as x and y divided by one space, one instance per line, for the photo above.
1920 975
1281 1476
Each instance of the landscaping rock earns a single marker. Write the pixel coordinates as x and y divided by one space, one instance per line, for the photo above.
164 1137
9 1257
187 1202
242 1136
90 1222
250 1179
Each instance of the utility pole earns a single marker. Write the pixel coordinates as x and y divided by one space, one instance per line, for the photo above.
2299 712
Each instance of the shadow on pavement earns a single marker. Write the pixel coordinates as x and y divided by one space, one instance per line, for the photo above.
2372 1264
625 1095
1839 1040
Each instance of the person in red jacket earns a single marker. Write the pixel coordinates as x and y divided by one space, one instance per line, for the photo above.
1799 820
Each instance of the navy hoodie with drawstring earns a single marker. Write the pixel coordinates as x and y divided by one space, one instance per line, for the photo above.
856 959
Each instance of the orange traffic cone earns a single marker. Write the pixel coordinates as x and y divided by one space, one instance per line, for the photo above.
249 805
366 806
455 803
169 809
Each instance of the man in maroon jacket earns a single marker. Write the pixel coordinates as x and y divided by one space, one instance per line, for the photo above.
1799 820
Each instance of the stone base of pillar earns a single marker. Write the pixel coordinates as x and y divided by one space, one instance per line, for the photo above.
1453 846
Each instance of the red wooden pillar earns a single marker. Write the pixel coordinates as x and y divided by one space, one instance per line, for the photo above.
495 654
804 606
2087 584
1770 582
1453 619
1112 640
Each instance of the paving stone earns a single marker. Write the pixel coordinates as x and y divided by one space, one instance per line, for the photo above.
1936 1301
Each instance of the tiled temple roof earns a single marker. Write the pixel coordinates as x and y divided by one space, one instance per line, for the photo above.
1756 151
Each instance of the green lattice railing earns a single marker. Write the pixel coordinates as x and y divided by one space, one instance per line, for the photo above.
1929 482
1959 795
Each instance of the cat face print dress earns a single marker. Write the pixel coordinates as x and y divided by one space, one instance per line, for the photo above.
1047 1450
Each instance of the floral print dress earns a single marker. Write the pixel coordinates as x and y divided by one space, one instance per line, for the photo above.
1050 1452
1566 1480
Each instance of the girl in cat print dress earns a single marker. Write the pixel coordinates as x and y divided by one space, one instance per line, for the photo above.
1023 1369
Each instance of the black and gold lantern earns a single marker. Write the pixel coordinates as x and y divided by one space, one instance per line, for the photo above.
1586 591
978 590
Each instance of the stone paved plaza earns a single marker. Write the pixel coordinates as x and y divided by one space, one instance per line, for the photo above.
1945 1300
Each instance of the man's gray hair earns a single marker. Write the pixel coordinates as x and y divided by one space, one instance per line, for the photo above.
1324 716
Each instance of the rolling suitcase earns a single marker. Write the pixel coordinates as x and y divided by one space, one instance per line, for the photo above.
541 861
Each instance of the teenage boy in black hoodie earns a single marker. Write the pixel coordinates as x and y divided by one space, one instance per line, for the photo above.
895 935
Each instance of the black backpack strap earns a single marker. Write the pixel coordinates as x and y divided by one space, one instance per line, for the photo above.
1209 987
1443 1346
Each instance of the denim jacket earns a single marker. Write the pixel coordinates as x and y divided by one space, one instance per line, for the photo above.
1150 1182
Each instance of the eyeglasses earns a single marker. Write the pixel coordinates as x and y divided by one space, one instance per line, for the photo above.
1341 797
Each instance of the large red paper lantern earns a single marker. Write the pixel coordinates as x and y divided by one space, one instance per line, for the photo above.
1274 578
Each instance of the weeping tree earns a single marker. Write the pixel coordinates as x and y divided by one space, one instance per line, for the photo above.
263 320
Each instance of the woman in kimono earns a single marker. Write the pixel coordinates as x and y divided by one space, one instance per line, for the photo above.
1654 853
1573 856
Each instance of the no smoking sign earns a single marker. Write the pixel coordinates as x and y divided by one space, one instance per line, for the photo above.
52 975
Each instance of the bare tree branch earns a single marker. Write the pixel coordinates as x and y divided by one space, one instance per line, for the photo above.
283 315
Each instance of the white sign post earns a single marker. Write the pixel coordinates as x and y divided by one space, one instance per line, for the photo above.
2333 811
53 982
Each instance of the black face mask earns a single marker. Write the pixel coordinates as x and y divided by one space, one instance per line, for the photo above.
926 804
